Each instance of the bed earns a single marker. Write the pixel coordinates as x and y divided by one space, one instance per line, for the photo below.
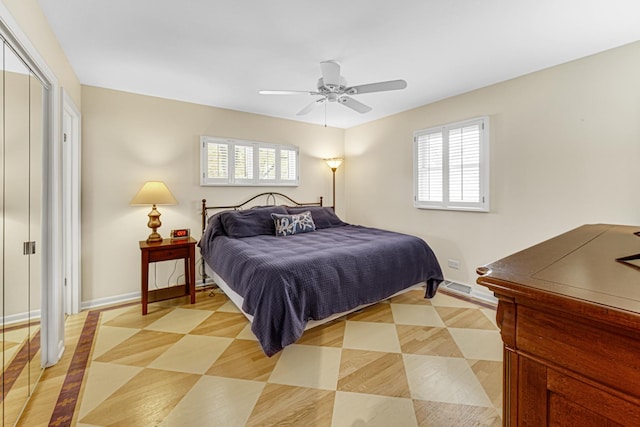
316 269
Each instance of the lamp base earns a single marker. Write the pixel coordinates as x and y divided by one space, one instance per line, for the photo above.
153 224
154 238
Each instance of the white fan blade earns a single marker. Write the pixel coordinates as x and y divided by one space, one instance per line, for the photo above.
377 87
287 92
330 73
353 104
310 107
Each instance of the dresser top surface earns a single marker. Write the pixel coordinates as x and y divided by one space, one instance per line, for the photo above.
579 264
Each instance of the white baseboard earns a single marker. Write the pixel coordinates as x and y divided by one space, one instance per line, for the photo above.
124 298
10 319
118 299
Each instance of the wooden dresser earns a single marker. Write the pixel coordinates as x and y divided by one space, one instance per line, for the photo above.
569 315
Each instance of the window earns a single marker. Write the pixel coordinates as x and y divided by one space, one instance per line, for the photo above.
451 166
234 162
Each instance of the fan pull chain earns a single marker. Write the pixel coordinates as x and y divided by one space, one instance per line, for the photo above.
325 112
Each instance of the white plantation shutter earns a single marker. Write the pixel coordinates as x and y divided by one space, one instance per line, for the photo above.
288 165
234 162
243 162
464 164
217 161
267 162
429 156
452 166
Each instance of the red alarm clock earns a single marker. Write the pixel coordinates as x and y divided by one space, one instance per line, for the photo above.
180 234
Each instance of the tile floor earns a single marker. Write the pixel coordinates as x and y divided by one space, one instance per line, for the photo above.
403 362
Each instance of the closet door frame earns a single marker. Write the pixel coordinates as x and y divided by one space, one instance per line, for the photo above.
52 319
71 212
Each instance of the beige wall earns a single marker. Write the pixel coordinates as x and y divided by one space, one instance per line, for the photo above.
33 23
129 139
565 150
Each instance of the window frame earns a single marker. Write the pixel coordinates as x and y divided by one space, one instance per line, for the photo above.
256 181
483 175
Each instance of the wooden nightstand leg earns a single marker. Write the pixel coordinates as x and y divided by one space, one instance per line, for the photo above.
187 279
145 281
192 273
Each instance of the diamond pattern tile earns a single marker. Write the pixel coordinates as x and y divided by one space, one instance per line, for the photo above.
489 373
427 340
280 405
221 324
111 336
407 361
141 349
374 313
179 321
216 398
193 354
414 314
431 413
460 317
371 336
329 335
444 379
103 379
478 344
373 372
147 399
358 409
245 360
307 366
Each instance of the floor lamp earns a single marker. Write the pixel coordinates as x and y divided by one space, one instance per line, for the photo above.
334 164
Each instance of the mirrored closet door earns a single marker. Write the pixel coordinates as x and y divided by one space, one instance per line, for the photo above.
22 109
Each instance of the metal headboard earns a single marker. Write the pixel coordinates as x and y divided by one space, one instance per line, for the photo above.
270 196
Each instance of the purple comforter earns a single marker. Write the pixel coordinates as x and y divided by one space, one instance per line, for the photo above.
286 281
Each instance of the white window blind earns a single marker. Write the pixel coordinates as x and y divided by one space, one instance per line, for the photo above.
452 166
234 162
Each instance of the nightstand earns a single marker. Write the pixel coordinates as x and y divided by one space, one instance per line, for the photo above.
168 250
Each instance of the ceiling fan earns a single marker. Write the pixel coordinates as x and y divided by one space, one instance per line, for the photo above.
332 87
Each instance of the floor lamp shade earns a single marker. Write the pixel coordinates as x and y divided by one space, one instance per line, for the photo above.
333 163
154 193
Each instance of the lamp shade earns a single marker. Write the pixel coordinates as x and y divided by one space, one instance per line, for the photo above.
334 163
154 193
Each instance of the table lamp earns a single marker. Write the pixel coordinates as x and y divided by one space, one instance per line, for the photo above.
334 164
154 193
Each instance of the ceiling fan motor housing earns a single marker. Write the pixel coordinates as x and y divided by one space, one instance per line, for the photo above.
331 89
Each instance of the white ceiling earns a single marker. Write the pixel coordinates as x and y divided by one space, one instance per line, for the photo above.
221 53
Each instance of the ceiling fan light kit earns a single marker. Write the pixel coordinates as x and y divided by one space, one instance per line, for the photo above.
332 87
